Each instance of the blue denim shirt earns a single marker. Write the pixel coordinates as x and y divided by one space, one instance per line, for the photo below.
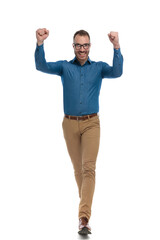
81 84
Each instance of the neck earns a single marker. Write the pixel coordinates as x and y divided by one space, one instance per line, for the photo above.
82 62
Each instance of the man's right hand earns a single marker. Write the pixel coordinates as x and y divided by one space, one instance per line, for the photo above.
41 35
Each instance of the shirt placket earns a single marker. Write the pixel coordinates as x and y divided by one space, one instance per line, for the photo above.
81 99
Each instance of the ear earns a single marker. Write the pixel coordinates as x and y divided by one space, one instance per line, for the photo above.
73 45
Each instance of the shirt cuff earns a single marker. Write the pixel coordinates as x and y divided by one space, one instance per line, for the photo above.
41 46
117 50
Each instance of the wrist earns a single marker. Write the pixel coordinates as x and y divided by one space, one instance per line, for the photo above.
39 43
116 46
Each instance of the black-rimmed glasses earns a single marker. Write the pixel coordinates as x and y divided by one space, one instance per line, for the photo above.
78 46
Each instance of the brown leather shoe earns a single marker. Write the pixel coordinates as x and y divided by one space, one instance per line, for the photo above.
84 225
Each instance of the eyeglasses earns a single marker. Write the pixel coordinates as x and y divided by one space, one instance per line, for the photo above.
85 46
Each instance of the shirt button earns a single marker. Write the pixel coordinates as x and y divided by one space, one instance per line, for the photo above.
80 102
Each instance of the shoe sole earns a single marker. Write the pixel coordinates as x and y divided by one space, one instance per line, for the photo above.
84 231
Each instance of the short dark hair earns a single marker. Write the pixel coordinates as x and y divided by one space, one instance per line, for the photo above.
81 33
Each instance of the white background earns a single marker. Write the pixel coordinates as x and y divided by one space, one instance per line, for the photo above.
38 193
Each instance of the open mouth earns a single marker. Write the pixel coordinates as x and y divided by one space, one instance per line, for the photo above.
82 54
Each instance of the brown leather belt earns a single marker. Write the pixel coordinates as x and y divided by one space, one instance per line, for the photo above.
81 117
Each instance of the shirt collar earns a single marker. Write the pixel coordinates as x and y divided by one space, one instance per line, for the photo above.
75 60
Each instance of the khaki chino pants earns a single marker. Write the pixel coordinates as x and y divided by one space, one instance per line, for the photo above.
82 139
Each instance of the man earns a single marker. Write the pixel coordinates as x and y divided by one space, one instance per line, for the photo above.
81 79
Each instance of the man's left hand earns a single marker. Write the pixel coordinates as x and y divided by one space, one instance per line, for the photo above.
113 37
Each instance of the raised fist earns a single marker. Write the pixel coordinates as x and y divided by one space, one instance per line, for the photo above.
41 35
113 37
